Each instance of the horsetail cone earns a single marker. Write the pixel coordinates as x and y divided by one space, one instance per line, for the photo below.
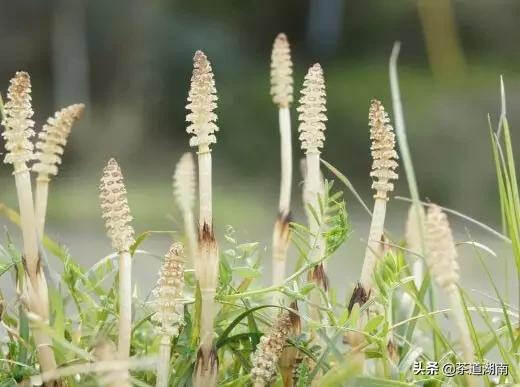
49 150
168 293
114 205
281 72
383 150
442 255
269 350
18 123
53 139
312 110
202 101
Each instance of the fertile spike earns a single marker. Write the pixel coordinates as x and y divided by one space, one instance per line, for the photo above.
53 138
266 356
312 110
383 150
17 121
442 255
201 103
281 72
169 309
114 205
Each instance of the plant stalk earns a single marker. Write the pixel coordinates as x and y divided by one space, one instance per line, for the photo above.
40 203
314 187
163 365
281 229
205 192
125 304
284 117
206 319
36 289
374 247
191 233
206 271
465 337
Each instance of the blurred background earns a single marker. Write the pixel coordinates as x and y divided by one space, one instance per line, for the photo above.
130 62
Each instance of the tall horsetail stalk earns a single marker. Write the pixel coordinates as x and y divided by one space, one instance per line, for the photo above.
384 164
442 262
312 126
184 187
168 306
201 102
117 216
282 93
18 129
53 138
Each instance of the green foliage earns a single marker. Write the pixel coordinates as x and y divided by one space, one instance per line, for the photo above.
374 344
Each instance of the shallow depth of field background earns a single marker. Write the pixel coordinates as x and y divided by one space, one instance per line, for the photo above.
130 61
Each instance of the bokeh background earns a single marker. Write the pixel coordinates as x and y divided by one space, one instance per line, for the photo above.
130 61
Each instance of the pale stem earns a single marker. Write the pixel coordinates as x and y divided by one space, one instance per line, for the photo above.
418 272
35 274
205 274
259 383
278 276
206 320
40 203
205 198
191 234
314 186
27 219
373 250
460 321
284 117
284 206
163 364
44 348
125 304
